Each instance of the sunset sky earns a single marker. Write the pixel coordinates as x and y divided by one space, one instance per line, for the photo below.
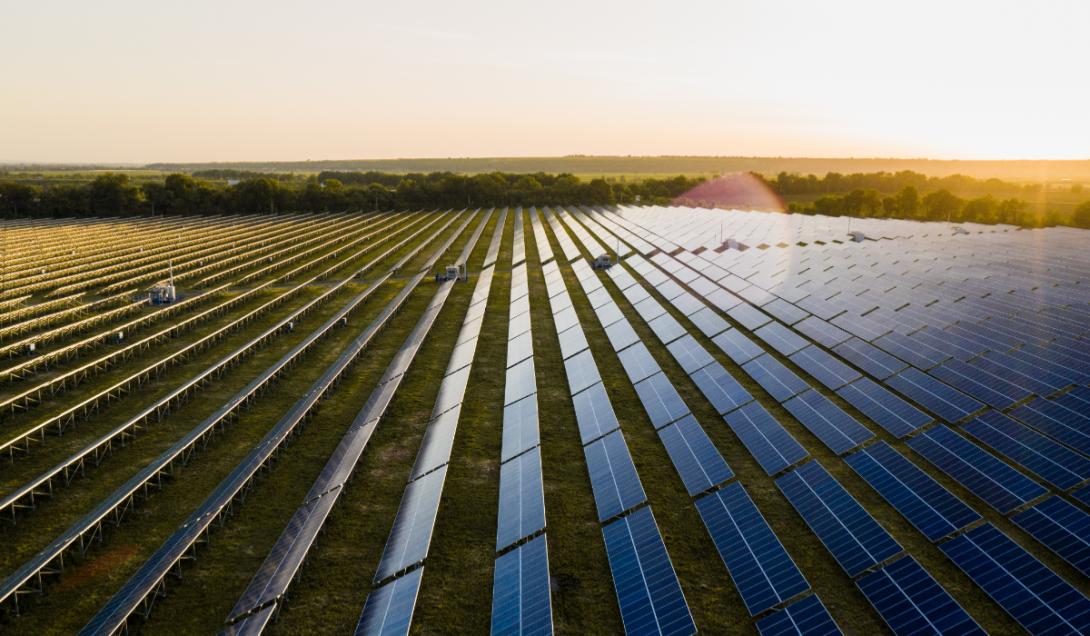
200 81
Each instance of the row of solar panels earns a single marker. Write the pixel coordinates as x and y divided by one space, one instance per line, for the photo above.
1073 520
521 594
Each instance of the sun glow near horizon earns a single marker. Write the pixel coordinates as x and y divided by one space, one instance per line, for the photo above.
122 81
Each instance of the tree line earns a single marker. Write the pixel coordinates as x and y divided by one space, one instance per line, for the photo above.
115 194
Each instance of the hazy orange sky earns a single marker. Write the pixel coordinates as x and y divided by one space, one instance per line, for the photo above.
131 81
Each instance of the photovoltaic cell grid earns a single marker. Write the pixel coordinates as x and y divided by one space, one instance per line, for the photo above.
804 617
1062 527
850 534
758 564
389 609
647 588
911 602
521 596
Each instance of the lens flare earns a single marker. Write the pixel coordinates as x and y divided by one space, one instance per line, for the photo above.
738 190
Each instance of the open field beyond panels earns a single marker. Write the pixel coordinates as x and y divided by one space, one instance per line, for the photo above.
600 420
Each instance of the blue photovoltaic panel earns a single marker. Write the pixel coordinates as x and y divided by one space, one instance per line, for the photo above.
985 387
827 421
912 351
520 347
521 598
988 477
522 500
1082 495
805 617
822 332
823 367
850 534
581 370
1069 426
948 403
1062 527
411 534
520 427
1043 457
572 341
757 562
764 438
613 476
887 410
689 354
638 363
720 388
1030 592
780 382
869 358
737 346
660 400
785 311
911 602
932 509
696 459
648 591
389 609
594 413
781 338
521 382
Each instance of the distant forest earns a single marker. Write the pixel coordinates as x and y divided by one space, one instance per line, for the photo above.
905 194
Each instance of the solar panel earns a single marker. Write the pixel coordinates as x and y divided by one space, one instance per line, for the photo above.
389 609
649 308
869 358
930 508
1048 460
990 389
785 311
1062 527
520 348
823 367
1030 592
723 299
669 289
648 591
708 322
608 314
780 382
599 297
757 562
887 410
986 476
613 476
912 351
827 421
594 413
635 294
737 346
686 303
804 617
748 316
1058 422
437 443
822 332
520 427
696 459
519 323
411 533
565 319
948 403
850 534
666 328
521 597
689 354
521 382
764 438
621 335
572 341
910 601
660 400
638 363
522 503
781 338
581 371
720 388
